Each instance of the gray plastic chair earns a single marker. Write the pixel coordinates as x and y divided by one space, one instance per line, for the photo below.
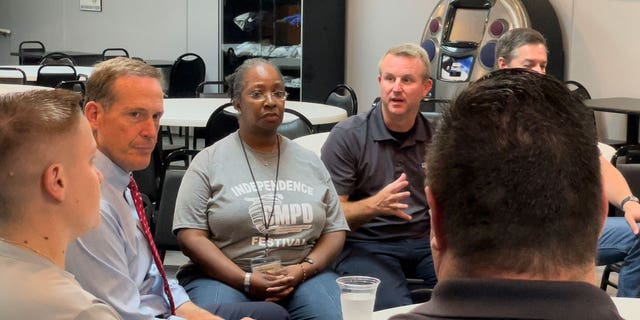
296 128
344 97
170 184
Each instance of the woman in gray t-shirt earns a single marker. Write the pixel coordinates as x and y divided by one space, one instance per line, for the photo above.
256 194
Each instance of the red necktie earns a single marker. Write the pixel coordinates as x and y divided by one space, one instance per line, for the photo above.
137 201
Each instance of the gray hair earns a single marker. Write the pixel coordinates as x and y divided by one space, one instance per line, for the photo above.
507 45
236 80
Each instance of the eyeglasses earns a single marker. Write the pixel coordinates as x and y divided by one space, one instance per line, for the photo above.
262 96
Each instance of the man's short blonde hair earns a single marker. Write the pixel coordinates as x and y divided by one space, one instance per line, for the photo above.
411 50
30 121
100 84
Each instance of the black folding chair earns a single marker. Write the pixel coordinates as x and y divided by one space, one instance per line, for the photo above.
218 93
220 124
187 72
110 53
30 52
170 183
52 75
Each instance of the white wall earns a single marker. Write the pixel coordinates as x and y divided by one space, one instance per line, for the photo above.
5 42
150 29
372 27
605 55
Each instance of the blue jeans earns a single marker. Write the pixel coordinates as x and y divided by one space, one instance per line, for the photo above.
255 310
316 298
618 243
392 263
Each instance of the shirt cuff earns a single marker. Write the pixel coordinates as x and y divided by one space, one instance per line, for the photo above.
179 294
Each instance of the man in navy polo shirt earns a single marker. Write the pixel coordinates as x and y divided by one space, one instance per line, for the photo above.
376 163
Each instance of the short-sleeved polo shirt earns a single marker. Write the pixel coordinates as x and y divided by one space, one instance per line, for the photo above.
363 157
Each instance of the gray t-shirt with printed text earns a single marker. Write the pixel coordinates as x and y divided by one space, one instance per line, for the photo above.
218 194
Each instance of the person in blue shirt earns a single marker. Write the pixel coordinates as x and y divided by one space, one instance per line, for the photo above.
115 261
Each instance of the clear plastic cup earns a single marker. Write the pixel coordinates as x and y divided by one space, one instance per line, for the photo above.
357 296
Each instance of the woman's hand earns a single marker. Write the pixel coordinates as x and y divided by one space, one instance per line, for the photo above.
271 287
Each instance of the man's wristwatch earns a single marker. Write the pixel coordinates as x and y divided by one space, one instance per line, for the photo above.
627 199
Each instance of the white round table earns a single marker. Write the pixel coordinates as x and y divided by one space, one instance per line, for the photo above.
313 142
195 112
10 88
629 308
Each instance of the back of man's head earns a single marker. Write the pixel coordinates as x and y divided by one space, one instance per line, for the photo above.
30 123
100 84
514 169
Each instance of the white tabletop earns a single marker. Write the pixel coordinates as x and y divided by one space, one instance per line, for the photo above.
32 71
313 142
629 308
195 112
10 88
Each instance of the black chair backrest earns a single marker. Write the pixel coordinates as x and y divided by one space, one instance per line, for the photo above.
110 53
51 76
187 72
434 105
78 86
220 124
163 236
21 77
30 46
171 180
296 128
148 179
344 97
232 61
57 59
219 92
578 89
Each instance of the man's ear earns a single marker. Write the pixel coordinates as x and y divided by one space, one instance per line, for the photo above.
438 238
502 64
427 87
93 111
54 181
